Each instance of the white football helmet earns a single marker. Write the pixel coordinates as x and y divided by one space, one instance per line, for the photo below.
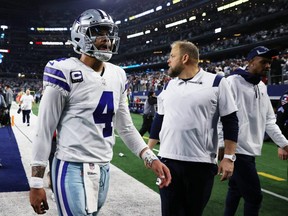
88 27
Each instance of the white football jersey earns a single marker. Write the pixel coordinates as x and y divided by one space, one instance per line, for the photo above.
84 106
191 111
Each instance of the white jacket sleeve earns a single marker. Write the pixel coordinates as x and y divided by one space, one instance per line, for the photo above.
50 110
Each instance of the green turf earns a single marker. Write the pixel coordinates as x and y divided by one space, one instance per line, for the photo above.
35 108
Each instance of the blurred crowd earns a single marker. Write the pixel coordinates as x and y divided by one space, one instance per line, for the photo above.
156 80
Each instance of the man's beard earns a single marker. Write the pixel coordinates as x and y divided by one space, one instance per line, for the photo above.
176 71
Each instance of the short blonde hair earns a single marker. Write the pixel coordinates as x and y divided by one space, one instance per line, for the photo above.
187 47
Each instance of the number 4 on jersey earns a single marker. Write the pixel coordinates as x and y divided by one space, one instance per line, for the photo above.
104 112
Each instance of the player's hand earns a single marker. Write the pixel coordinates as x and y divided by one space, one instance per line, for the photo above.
162 172
38 200
282 154
225 169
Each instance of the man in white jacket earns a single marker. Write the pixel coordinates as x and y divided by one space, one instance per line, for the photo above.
255 116
26 103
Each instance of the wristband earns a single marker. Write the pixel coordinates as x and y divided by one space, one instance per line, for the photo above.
148 156
36 182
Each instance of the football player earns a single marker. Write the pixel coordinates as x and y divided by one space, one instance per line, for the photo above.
85 99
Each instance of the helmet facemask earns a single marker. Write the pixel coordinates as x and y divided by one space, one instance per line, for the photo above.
108 34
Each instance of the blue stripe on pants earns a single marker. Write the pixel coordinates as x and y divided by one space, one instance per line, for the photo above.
67 178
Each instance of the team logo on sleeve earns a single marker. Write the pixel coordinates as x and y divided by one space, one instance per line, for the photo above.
76 76
284 99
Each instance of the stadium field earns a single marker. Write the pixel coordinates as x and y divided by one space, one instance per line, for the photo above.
272 172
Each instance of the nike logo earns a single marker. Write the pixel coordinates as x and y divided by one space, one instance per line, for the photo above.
51 62
260 53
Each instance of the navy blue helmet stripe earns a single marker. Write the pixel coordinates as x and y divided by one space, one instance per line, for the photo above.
57 82
103 14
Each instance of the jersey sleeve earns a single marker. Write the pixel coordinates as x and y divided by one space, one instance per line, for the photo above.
50 109
125 127
54 76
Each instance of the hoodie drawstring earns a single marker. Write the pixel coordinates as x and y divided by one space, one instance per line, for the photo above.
257 91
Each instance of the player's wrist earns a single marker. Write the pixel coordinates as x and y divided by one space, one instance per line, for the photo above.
36 182
148 156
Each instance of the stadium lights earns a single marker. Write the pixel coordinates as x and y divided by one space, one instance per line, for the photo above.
176 23
3 27
130 66
176 1
1 57
232 4
158 8
21 75
48 43
52 29
118 22
4 50
141 14
135 35
218 30
192 18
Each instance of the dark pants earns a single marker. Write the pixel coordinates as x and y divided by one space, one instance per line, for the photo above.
26 116
190 189
146 125
244 183
8 108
